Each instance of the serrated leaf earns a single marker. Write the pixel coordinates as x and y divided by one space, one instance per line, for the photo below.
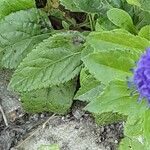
131 144
116 98
108 118
108 40
109 65
54 61
134 126
90 87
20 32
145 32
57 99
8 6
121 19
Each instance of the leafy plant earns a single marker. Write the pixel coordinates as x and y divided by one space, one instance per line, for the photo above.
105 41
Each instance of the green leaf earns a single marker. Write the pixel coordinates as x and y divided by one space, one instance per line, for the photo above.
146 127
143 4
111 40
90 6
70 5
134 2
108 118
90 87
134 125
109 65
121 19
145 32
49 147
104 24
116 98
8 6
131 144
57 99
54 61
143 19
20 32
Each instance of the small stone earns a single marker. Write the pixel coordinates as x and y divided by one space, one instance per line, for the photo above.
102 129
116 141
108 148
78 114
42 115
77 126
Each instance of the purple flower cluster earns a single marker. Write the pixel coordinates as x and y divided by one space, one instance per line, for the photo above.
141 76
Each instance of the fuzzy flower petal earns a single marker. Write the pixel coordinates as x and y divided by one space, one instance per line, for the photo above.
141 76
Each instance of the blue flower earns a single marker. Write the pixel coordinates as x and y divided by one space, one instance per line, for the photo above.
141 76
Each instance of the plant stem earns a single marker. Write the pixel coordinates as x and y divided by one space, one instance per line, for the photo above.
91 22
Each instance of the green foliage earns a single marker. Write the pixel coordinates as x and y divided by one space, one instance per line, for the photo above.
121 19
20 32
111 63
57 99
145 32
116 98
8 6
116 39
108 118
49 147
90 87
146 128
131 144
143 4
133 126
49 65
70 5
54 61
90 6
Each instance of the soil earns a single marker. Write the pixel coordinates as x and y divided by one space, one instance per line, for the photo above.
74 131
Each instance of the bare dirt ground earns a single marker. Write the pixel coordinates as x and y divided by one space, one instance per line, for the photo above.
75 131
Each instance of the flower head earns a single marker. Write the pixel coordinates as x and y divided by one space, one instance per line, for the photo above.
141 76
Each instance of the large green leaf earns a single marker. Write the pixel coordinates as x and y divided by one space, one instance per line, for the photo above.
121 19
90 87
57 99
108 40
54 61
109 65
20 32
116 98
8 6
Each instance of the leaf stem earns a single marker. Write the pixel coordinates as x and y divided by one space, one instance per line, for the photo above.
91 22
